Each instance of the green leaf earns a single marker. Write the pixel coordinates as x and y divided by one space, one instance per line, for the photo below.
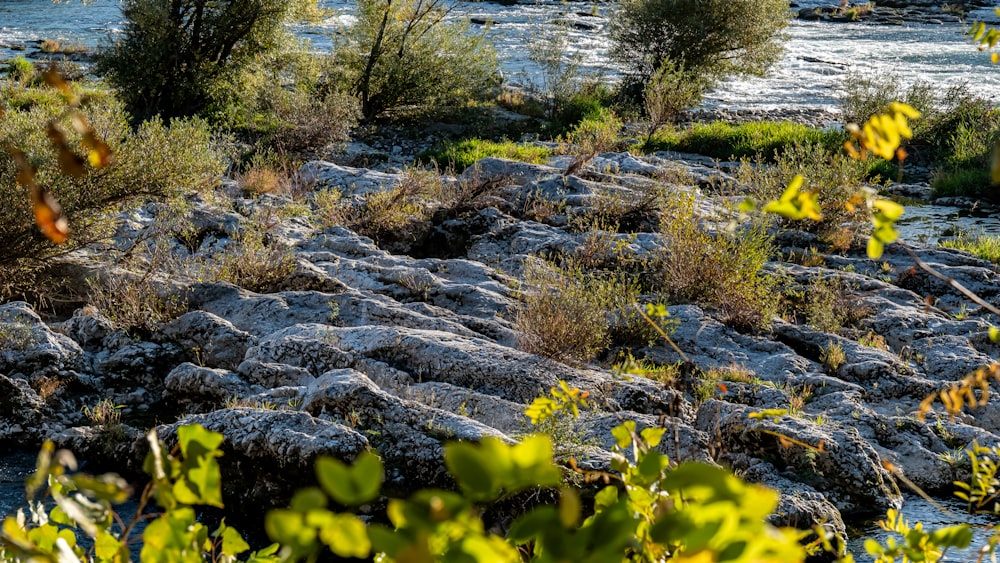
233 543
335 478
875 248
196 441
605 498
623 434
472 470
346 536
288 528
385 540
651 465
533 524
652 436
206 478
570 508
958 536
110 548
531 464
368 474
309 498
350 486
107 487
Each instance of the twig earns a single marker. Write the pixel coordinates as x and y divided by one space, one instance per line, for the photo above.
949 280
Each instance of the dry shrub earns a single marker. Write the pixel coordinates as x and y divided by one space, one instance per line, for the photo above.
310 123
253 261
397 217
558 318
263 180
541 208
718 270
570 314
832 356
135 303
828 305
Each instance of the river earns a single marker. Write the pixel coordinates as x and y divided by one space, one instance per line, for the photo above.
818 56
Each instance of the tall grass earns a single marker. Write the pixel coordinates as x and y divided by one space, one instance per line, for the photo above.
459 155
984 246
723 140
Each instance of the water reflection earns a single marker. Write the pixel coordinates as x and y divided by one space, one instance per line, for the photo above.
916 509
931 223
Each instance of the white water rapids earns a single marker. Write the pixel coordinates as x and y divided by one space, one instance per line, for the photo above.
818 56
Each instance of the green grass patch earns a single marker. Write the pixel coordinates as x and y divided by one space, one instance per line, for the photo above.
971 182
723 140
986 247
459 155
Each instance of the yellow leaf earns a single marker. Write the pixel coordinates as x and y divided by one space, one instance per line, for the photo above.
905 109
875 248
890 209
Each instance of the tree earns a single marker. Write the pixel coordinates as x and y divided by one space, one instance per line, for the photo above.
182 57
711 38
402 52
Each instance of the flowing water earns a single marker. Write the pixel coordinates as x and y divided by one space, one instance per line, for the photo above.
818 56
15 467
916 509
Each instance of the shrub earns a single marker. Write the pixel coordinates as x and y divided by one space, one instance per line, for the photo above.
394 218
963 182
568 313
718 270
560 70
292 107
668 93
157 160
404 54
825 303
593 136
20 70
834 177
710 38
134 303
186 57
252 261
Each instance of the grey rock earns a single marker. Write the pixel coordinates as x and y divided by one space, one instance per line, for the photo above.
203 388
28 345
208 339
268 453
848 470
350 181
20 410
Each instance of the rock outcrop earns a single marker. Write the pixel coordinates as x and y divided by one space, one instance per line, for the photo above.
368 350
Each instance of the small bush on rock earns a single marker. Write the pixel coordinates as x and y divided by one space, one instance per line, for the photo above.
718 270
568 313
834 177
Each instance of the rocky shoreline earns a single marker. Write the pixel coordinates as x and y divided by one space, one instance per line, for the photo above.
360 348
